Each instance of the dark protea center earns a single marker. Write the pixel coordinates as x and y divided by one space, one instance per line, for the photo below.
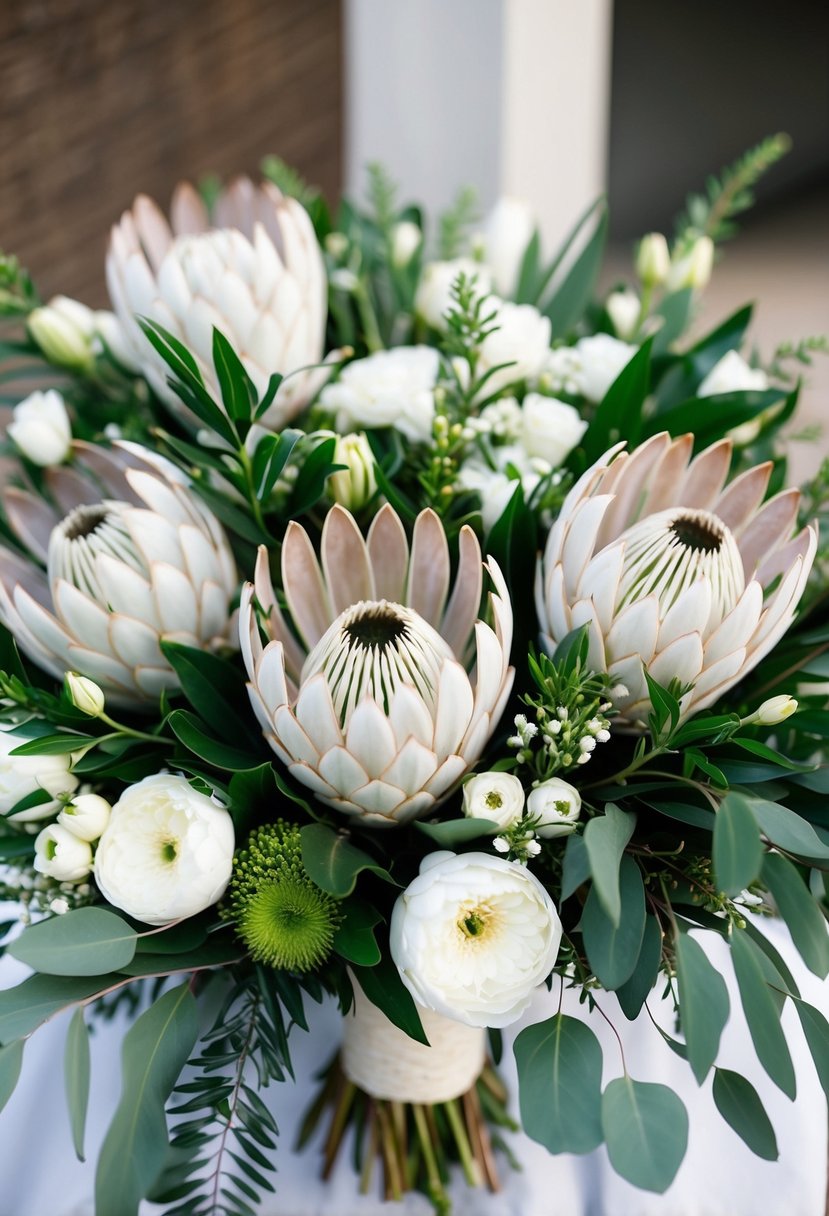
700 535
85 535
378 627
84 521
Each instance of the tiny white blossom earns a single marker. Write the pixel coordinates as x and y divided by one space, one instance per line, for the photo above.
501 844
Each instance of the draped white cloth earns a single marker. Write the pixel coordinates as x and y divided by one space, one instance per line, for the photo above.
39 1175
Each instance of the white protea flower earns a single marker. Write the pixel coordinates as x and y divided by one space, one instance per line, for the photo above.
368 699
672 570
142 562
256 273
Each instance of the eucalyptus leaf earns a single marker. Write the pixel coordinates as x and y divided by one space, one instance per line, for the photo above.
76 1074
738 849
806 922
703 1004
11 1062
575 869
739 1104
762 1014
605 838
38 998
560 1084
636 990
788 830
816 1030
86 941
613 950
333 862
457 831
646 1130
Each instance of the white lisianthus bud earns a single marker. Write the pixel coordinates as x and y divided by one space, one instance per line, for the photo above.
550 428
62 855
22 776
495 796
41 429
354 485
85 694
602 358
774 710
694 268
167 851
509 230
110 334
473 935
406 239
86 816
64 329
556 805
623 308
434 293
653 260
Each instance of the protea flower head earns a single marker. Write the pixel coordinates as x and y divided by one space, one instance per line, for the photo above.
672 570
131 558
256 273
368 699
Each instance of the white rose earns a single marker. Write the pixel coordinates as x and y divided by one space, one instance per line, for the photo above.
354 485
434 291
551 428
602 359
495 796
406 239
473 935
167 851
389 388
41 428
64 329
694 268
86 816
556 805
508 231
21 776
623 308
61 855
522 340
732 375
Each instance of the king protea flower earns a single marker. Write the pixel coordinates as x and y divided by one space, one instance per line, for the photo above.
368 699
672 570
142 562
256 274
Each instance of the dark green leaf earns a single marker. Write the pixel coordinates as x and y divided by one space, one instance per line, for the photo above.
636 990
703 1004
274 381
333 862
237 389
11 1062
214 687
620 412
188 728
575 291
738 849
816 1029
560 1084
457 831
762 1014
605 838
54 745
217 951
711 417
739 1104
87 941
355 940
385 989
576 866
76 1070
646 1130
614 951
806 922
675 310
309 486
187 381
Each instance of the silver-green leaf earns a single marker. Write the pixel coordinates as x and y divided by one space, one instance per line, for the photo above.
560 1084
646 1131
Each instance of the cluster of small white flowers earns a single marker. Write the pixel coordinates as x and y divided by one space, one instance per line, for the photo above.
567 739
36 894
562 371
501 419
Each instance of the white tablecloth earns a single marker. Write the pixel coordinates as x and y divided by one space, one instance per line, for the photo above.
39 1175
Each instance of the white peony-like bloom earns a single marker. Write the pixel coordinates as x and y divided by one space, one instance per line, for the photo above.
522 340
64 330
495 796
21 776
508 231
86 816
472 937
550 428
624 308
601 360
167 852
354 485
389 388
257 275
41 428
556 805
62 855
434 291
495 487
732 375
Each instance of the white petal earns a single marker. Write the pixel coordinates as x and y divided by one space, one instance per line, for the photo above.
681 660
342 771
453 709
293 738
410 718
412 767
370 738
315 712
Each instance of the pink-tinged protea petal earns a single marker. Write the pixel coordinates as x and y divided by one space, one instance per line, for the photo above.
383 694
31 519
673 576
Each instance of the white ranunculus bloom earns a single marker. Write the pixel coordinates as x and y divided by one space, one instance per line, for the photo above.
551 428
86 816
41 429
167 851
389 388
556 805
495 796
623 308
434 291
472 937
732 375
62 855
354 485
406 239
64 329
21 776
522 339
602 359
509 229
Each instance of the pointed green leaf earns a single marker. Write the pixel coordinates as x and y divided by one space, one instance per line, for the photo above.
457 831
11 1062
576 866
762 1013
76 1070
620 412
646 1130
613 951
605 838
355 940
237 389
636 990
739 1104
189 730
799 910
560 1084
385 989
738 849
575 291
333 862
154 1051
703 1004
87 941
816 1029
787 830
38 998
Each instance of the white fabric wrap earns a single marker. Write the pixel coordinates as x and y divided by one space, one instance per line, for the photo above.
386 1063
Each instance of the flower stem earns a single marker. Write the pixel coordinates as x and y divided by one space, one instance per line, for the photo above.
471 1169
437 1194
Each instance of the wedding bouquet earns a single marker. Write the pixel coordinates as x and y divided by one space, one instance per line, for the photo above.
387 616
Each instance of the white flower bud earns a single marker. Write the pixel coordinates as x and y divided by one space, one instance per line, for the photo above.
406 239
501 844
623 308
86 695
496 796
694 268
59 906
41 429
653 260
774 710
60 854
556 805
21 776
354 485
336 243
86 816
64 329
